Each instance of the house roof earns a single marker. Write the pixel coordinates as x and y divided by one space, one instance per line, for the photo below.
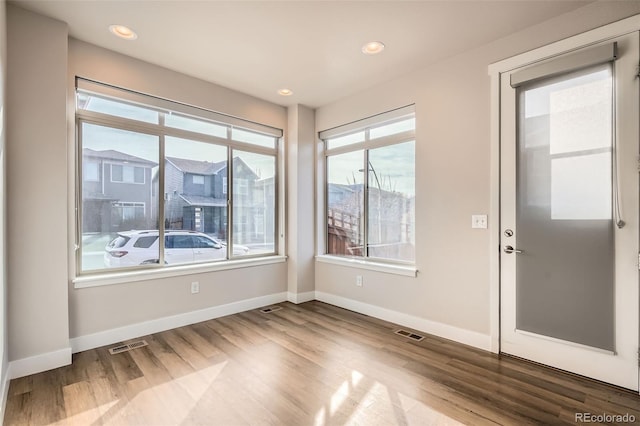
198 200
110 154
208 168
197 167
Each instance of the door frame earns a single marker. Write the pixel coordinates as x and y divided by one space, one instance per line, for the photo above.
495 70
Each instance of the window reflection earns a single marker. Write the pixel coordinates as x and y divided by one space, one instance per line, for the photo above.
566 144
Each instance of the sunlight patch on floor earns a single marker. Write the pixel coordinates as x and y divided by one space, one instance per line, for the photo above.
170 402
378 403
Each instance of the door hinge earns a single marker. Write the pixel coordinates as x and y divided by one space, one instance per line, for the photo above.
639 269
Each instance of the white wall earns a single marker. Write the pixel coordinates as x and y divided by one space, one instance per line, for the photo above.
451 291
36 158
99 310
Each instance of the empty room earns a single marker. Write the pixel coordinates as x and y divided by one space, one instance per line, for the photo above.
319 212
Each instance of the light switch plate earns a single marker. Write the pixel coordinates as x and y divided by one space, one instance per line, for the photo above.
479 221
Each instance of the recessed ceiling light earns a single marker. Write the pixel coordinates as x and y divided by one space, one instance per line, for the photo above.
123 32
373 47
285 92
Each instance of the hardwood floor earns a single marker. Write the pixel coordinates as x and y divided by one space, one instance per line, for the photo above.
308 364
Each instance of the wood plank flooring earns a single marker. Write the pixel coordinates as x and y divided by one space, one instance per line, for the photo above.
308 364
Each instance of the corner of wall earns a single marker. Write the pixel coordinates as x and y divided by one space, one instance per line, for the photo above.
36 69
300 180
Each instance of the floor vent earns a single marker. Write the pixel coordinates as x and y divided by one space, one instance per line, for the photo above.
128 347
409 335
270 309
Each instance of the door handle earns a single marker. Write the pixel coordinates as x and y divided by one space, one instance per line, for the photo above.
510 249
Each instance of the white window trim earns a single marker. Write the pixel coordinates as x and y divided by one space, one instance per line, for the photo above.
365 263
113 277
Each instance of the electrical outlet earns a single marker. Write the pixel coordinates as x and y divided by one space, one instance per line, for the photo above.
359 280
195 287
479 221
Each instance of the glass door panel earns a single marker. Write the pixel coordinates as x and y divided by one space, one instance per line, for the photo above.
565 277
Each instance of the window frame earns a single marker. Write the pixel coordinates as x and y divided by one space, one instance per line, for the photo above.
83 116
364 125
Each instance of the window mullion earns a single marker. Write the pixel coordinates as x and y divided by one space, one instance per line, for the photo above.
161 200
79 189
365 211
229 202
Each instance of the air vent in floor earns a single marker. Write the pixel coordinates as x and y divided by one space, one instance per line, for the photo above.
409 335
128 347
270 309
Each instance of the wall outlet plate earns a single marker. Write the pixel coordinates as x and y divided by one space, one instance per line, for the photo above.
359 280
195 287
479 221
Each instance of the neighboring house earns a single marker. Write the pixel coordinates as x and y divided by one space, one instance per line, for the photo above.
195 196
116 191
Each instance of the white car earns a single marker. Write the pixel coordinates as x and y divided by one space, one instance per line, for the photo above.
133 248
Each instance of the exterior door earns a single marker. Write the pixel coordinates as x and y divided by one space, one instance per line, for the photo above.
569 212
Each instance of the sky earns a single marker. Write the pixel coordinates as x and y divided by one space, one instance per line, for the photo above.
393 165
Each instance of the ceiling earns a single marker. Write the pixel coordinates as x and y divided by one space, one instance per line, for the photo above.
310 47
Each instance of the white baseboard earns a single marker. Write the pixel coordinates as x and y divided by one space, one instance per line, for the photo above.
38 363
467 337
115 335
47 361
301 297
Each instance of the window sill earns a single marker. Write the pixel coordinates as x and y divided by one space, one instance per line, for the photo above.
388 268
173 271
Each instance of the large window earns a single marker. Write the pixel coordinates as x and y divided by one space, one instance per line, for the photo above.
370 187
155 189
